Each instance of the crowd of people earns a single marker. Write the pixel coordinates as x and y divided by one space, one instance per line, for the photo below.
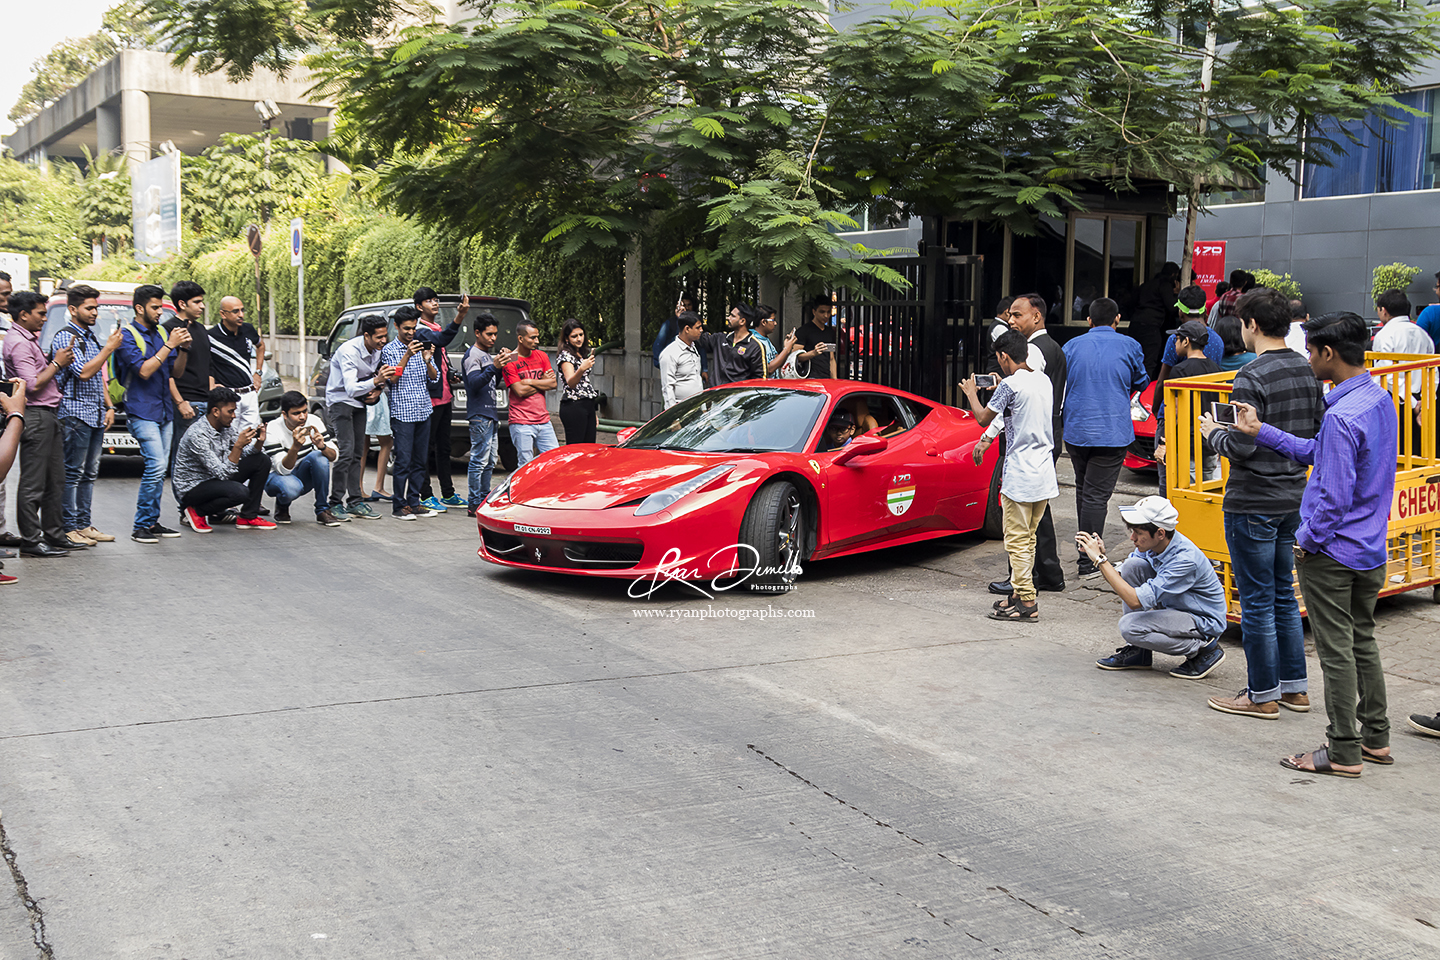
1312 474
191 403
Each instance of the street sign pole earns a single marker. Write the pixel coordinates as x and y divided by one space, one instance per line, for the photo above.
253 240
297 260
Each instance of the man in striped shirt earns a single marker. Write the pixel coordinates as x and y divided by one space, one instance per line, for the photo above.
237 355
1262 509
410 409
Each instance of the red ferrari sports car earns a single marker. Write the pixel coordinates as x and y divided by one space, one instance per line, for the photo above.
738 484
1141 454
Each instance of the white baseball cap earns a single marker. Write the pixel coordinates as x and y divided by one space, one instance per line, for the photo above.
1152 510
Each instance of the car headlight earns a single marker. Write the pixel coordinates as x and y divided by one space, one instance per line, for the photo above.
1138 413
500 494
661 499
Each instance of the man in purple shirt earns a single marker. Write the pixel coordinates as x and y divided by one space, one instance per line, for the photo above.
1340 550
40 507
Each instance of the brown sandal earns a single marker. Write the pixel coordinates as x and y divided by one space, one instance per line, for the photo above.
1018 612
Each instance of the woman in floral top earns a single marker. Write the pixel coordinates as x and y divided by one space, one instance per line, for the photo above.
578 401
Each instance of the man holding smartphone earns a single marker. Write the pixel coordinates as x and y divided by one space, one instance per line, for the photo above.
219 466
819 342
301 452
1262 508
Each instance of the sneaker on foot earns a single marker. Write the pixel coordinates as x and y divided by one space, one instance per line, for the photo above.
454 500
6 579
1430 726
424 511
433 504
326 519
97 536
74 538
364 511
254 523
164 531
282 512
192 519
341 514
143 535
1200 665
404 513
1242 706
1299 702
1086 568
1126 658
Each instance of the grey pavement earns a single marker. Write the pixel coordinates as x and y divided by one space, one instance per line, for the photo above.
364 742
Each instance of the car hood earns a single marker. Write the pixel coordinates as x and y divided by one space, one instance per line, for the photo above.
594 477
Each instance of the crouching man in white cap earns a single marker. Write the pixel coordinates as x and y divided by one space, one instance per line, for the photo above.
1173 600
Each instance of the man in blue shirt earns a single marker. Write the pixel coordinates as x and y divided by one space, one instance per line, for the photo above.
1102 369
1173 600
1340 547
145 362
410 408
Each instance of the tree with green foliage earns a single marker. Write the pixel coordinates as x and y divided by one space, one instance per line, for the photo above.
39 216
106 212
243 177
586 124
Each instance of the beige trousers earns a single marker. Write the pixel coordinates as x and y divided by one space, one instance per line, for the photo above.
1019 521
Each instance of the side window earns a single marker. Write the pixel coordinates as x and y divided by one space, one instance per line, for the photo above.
876 411
914 410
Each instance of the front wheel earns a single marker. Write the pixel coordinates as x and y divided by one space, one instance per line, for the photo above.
774 530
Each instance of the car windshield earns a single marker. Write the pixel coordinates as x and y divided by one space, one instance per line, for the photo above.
738 420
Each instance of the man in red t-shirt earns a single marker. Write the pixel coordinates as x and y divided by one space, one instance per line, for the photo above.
528 376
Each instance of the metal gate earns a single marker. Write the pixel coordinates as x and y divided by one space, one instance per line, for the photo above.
923 339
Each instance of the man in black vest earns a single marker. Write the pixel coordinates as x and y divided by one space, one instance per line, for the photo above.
1027 315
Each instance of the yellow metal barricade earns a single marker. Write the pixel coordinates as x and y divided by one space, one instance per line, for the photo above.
1414 512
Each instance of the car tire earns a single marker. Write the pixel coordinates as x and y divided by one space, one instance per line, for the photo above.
774 528
994 528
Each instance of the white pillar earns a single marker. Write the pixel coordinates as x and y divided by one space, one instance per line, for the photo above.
631 400
135 126
107 128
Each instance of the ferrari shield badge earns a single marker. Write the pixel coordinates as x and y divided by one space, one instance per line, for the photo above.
900 495
814 465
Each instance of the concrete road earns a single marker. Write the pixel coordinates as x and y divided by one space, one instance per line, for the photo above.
363 743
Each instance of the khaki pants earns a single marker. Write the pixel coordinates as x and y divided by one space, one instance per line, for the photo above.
1019 521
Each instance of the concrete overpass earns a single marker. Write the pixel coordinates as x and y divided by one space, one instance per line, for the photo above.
137 100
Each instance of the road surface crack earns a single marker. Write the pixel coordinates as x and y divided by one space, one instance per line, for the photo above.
913 839
32 906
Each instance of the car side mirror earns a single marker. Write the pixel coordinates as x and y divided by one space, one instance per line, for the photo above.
860 447
625 434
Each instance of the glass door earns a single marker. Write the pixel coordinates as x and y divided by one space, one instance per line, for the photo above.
1105 257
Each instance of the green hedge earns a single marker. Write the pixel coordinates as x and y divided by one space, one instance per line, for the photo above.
589 288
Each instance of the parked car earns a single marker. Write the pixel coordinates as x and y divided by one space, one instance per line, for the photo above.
507 312
1141 454
116 308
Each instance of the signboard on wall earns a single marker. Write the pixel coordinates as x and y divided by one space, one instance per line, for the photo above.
18 266
1207 264
155 200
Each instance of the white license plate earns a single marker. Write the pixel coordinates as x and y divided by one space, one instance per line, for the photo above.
121 441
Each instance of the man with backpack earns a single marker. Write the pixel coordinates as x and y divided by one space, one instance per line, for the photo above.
144 363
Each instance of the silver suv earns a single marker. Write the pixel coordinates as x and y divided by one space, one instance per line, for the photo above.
507 312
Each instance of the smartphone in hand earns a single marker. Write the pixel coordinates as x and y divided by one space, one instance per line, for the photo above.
1223 413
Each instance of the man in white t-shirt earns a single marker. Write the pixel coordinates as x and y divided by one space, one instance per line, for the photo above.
1025 400
301 453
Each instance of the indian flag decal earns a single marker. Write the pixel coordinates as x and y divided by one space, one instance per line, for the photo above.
898 499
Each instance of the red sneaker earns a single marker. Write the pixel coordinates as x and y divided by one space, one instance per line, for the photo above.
6 579
195 521
254 523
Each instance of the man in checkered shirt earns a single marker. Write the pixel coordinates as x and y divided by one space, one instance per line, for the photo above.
85 409
410 411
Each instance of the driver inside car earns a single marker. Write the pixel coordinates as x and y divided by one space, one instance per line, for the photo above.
839 430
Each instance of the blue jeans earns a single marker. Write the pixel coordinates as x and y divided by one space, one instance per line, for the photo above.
1263 560
82 466
484 448
521 434
411 445
155 448
312 472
